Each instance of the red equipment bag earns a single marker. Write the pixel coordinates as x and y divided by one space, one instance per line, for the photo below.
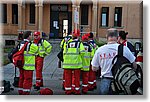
18 57
46 91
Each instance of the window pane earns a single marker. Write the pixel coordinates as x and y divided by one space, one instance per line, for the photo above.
32 13
14 14
84 14
118 16
103 19
104 16
4 13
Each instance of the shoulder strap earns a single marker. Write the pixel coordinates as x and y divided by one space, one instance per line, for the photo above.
120 50
120 53
23 48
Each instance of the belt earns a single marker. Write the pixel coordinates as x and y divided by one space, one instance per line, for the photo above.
106 77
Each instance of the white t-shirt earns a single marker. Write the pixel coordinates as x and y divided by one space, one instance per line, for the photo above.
104 55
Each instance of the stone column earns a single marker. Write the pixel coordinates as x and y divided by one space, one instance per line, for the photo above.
94 18
73 24
20 15
40 16
78 9
36 16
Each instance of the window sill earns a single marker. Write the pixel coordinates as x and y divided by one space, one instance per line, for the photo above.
30 24
104 27
111 27
4 24
14 24
118 27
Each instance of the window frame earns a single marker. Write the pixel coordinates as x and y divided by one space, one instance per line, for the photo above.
14 11
118 17
32 11
4 13
107 17
83 16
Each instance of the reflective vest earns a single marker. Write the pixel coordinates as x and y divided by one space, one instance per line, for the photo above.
94 48
29 56
44 48
86 57
65 40
72 54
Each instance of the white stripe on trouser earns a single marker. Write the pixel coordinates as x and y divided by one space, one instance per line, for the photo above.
20 88
77 88
84 85
91 82
26 90
73 85
38 80
67 88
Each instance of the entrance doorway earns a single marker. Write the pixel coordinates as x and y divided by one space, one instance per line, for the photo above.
60 21
65 28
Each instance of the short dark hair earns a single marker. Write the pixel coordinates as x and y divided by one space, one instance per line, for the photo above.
112 32
91 35
123 34
26 34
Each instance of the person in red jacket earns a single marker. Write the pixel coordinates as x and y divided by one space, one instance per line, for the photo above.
44 49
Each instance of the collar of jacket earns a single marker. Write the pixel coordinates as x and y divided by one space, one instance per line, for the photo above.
26 40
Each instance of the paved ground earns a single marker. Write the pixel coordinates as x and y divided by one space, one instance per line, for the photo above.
51 73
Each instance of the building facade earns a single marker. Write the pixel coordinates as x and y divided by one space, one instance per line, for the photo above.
58 18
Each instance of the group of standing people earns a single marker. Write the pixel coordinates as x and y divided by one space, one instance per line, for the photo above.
80 57
34 54
77 56
84 56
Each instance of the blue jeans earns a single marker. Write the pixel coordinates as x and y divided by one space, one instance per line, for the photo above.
105 86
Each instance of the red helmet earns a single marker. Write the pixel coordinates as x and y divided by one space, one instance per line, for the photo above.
76 32
88 34
46 91
36 33
84 37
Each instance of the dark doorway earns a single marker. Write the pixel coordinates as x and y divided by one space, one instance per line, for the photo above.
60 21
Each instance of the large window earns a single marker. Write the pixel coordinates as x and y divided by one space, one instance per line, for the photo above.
32 14
105 16
4 13
14 14
84 14
9 42
118 16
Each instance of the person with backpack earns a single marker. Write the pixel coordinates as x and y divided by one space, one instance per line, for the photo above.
122 39
72 64
26 73
103 59
44 50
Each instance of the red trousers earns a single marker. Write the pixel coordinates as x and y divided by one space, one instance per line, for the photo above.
39 67
85 76
69 74
25 81
92 79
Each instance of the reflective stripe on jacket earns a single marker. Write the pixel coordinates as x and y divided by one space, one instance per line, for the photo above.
29 56
86 57
44 48
72 55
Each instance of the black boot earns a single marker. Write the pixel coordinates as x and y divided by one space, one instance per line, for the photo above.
37 88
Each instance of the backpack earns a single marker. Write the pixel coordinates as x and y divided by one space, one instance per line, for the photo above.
7 86
12 52
18 57
125 78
